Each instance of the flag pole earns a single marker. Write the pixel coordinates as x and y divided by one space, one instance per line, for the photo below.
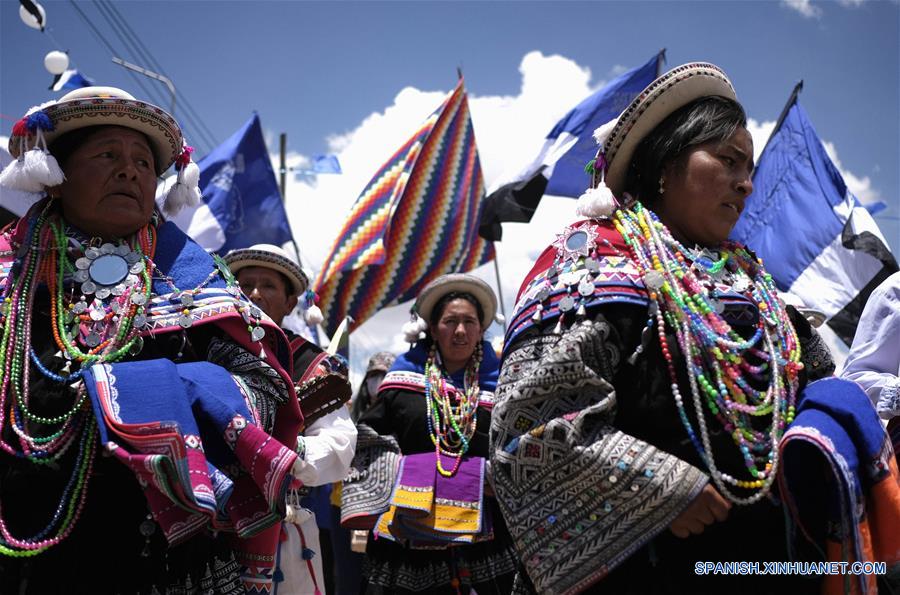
282 185
787 106
500 289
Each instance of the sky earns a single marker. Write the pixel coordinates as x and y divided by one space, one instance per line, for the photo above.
356 78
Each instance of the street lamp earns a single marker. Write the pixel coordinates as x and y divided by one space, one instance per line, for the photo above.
151 74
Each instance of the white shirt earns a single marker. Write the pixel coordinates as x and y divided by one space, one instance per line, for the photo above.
874 359
330 442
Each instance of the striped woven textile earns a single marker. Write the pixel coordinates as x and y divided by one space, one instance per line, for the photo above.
417 219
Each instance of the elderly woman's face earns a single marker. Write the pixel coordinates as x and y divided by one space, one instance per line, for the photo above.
457 332
110 183
704 197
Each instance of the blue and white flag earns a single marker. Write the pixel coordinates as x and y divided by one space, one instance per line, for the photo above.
558 169
241 201
816 239
70 80
326 164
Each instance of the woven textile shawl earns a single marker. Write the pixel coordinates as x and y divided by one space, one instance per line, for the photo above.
862 491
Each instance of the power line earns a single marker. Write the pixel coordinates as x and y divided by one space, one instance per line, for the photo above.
100 38
156 96
201 126
118 24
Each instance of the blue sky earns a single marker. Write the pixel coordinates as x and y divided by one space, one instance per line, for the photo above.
355 78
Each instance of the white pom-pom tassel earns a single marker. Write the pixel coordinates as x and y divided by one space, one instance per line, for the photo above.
42 167
413 330
313 316
602 133
185 192
597 202
13 177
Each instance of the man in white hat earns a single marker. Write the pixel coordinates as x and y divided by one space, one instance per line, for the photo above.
275 283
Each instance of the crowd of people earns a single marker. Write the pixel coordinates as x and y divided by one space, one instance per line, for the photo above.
655 403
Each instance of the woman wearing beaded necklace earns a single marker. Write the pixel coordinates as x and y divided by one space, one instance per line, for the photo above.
419 479
134 392
651 370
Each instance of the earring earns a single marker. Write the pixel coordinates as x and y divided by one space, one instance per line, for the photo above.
662 182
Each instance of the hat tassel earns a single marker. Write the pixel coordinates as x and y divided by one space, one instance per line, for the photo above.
35 169
597 202
414 329
185 192
313 315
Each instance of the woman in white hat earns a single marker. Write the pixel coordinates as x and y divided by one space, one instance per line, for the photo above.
133 377
419 478
650 370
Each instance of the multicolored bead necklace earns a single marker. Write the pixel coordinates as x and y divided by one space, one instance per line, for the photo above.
451 426
684 297
100 325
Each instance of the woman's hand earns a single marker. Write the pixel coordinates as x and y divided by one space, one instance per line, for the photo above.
708 507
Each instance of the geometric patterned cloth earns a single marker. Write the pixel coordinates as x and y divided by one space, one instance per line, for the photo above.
417 219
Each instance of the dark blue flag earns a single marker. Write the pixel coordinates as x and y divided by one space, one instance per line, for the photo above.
816 239
558 169
241 192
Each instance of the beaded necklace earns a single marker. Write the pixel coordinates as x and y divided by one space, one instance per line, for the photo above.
451 426
684 297
86 332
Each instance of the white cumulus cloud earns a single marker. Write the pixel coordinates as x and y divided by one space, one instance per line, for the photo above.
804 7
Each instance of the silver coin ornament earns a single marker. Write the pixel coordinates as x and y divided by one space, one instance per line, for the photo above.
83 263
258 333
137 267
81 275
255 312
139 321
741 284
107 248
92 253
185 321
138 299
567 303
88 287
123 249
586 288
132 257
97 314
592 264
80 307
187 300
103 293
92 339
543 293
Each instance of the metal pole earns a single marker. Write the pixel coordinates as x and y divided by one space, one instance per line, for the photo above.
151 74
500 289
282 169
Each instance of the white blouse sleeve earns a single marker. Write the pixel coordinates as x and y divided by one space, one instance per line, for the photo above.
329 446
874 359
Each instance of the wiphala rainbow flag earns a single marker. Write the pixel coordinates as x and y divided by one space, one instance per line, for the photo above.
417 219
